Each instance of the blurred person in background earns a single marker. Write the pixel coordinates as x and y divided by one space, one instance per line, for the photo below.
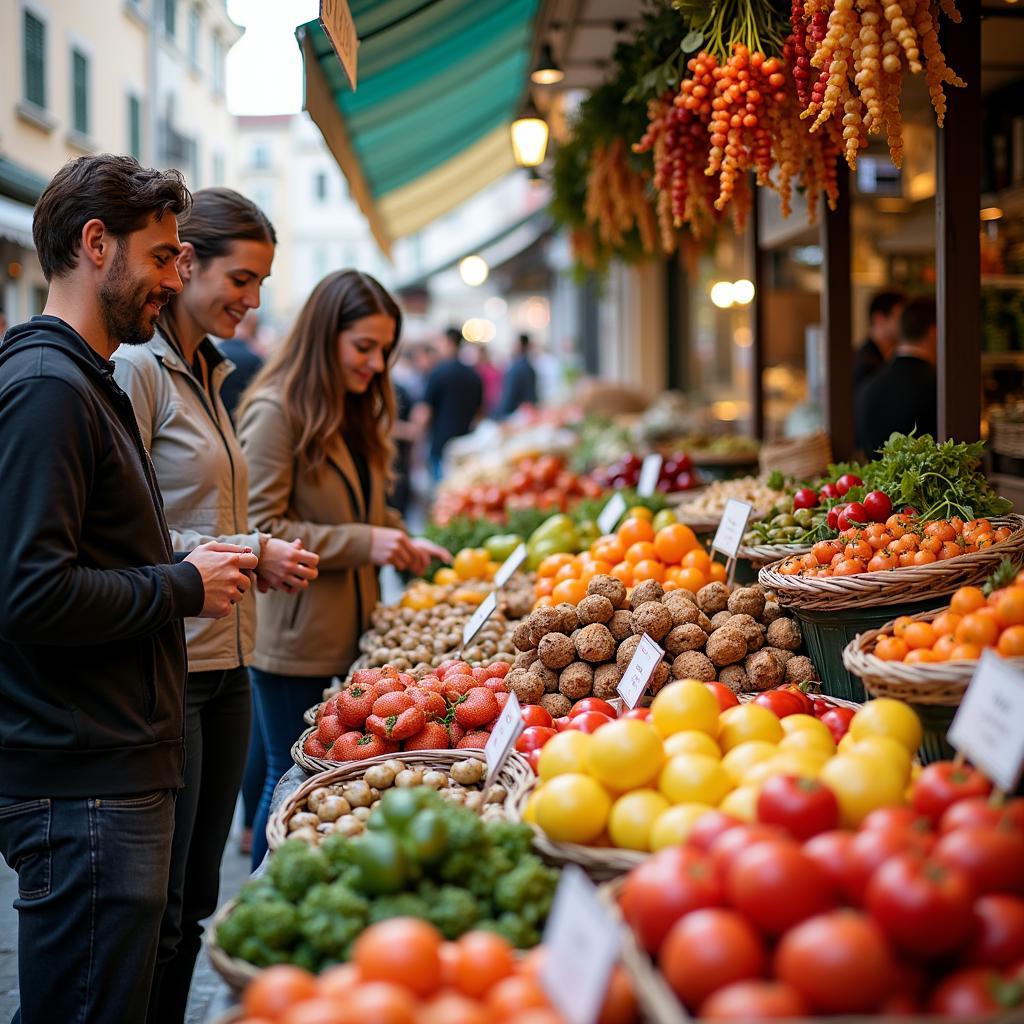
901 396
491 377
883 335
452 400
520 381
241 350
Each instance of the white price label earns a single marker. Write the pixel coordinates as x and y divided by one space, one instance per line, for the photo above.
642 665
611 513
989 725
582 942
506 731
476 622
509 566
729 535
650 472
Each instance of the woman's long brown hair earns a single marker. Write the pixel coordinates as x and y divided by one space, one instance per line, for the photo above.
306 372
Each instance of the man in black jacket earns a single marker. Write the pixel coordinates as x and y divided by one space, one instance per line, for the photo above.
92 648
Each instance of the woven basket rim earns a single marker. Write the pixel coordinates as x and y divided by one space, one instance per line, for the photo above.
894 586
236 973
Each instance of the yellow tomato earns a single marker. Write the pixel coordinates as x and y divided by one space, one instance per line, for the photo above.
683 705
469 595
625 754
861 785
445 576
633 816
807 764
674 826
889 750
694 778
747 722
797 723
566 752
640 512
741 803
666 517
888 717
573 809
530 810
470 563
690 741
741 759
809 739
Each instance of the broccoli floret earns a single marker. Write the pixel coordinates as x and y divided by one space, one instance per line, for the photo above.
259 890
238 927
259 953
520 933
452 911
513 837
308 958
527 889
330 916
295 868
277 924
402 904
337 851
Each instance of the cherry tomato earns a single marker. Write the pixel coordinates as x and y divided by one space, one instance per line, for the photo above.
838 721
803 807
533 738
997 935
878 506
804 698
534 714
806 497
944 783
581 707
780 702
993 856
725 697
731 843
899 818
589 721
848 481
829 491
709 826
534 758
871 848
977 810
924 908
640 714
832 518
754 1000
975 992
830 850
561 724
855 514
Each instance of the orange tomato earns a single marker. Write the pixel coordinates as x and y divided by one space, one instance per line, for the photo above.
718 572
850 567
595 568
899 627
882 561
673 542
608 549
932 544
669 585
514 995
825 550
648 569
919 634
891 648
859 549
691 579
451 1008
547 601
634 530
641 551
924 557
273 990
1009 606
945 646
624 573
550 565
966 600
572 591
319 1010
402 950
338 980
544 586
965 652
569 571
941 530
978 629
698 558
950 550
946 623
481 960
1011 642
921 656
380 1002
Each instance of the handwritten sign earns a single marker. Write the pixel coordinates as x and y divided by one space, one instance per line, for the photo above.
476 622
642 665
509 566
581 942
733 525
611 513
337 22
989 725
650 472
506 731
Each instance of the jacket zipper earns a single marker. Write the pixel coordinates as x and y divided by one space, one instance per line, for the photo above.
366 514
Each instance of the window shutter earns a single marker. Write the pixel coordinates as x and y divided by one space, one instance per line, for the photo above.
35 60
80 79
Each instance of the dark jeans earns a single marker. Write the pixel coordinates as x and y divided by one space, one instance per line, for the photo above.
92 884
217 715
280 702
255 771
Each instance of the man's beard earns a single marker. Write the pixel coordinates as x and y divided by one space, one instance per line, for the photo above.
123 303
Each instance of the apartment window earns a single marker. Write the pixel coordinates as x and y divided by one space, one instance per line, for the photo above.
35 59
260 156
80 92
218 168
218 65
193 37
135 127
170 18
320 186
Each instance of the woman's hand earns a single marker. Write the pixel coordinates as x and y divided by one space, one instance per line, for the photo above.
286 566
392 547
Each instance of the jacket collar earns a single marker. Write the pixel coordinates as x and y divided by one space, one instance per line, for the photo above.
220 365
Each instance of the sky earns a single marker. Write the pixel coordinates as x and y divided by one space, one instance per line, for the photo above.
264 69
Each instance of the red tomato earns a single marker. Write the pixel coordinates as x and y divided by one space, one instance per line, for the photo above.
803 807
847 481
666 886
906 993
924 908
830 850
878 506
533 738
534 714
640 714
855 514
977 810
754 1000
534 758
581 707
731 843
806 497
804 698
997 936
942 784
839 962
725 697
992 856
781 702
828 491
561 724
838 721
709 826
707 950
898 818
776 886
589 721
871 848
833 514
974 992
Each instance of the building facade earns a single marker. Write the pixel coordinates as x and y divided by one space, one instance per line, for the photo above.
144 77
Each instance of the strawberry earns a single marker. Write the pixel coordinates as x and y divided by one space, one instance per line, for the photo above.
496 685
453 667
431 682
353 704
392 704
329 729
398 726
406 680
388 684
498 670
357 746
455 733
433 736
480 675
389 672
314 748
458 684
473 741
479 707
430 703
365 677
502 698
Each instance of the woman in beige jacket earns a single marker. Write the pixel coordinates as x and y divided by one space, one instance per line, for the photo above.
174 382
315 426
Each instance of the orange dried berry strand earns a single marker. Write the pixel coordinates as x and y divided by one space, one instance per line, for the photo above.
899 16
950 11
868 73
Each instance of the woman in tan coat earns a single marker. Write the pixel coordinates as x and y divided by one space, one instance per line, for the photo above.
315 426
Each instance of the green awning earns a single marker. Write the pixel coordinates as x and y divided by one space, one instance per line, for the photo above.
439 82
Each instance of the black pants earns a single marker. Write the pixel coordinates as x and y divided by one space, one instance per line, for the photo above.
217 718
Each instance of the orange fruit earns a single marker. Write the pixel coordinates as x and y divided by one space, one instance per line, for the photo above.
1011 642
673 542
921 656
648 569
965 652
572 591
691 579
544 586
891 648
946 623
669 585
380 1002
640 551
718 574
569 571
608 549
1009 606
547 601
595 568
482 960
919 635
979 629
275 989
966 600
945 646
404 951
515 995
624 573
899 627
633 531
698 558
550 565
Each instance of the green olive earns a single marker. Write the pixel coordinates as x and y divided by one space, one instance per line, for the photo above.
783 520
803 517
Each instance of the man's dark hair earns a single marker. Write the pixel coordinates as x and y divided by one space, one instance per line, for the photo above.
885 302
117 190
454 336
524 343
917 319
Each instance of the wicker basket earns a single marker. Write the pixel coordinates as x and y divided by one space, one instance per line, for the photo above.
1008 438
516 776
309 715
236 973
800 457
765 554
894 586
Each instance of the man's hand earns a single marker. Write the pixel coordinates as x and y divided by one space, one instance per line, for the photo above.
226 571
286 566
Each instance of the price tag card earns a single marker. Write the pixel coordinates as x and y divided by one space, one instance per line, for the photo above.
650 472
989 725
476 622
645 660
730 531
582 942
611 513
506 731
509 566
